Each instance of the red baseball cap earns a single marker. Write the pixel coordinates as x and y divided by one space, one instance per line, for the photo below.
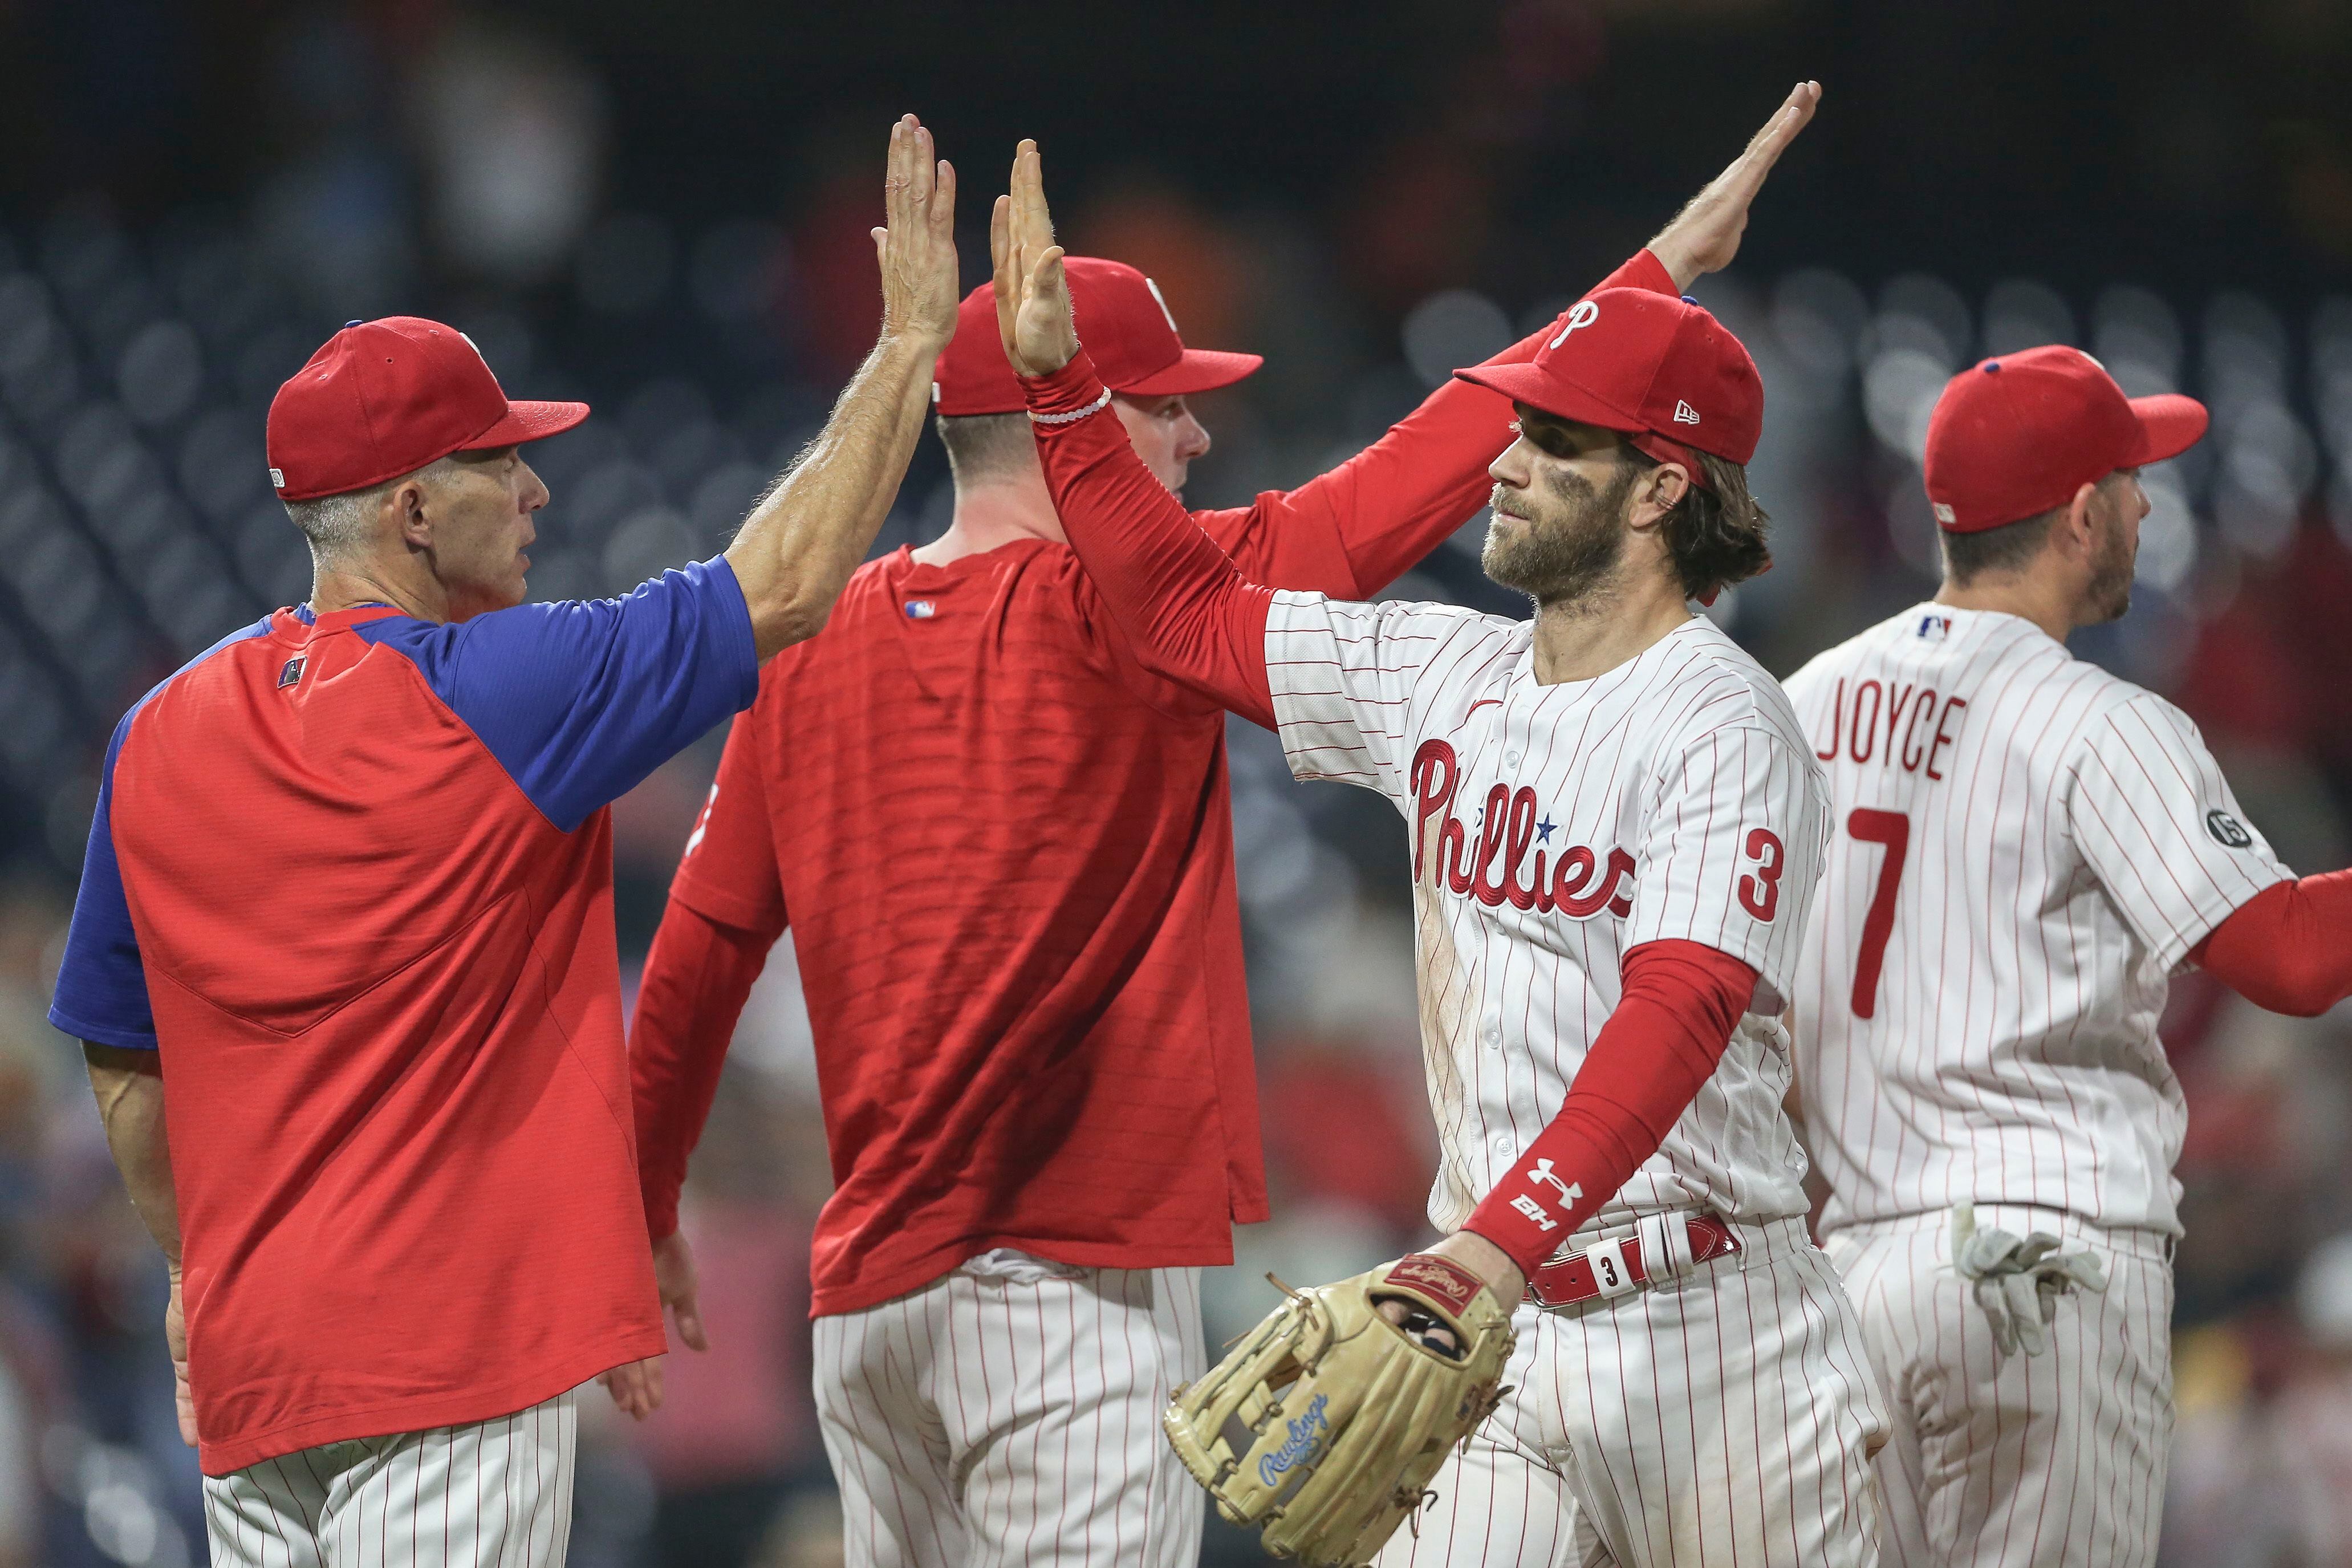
1659 369
2018 436
383 398
1126 326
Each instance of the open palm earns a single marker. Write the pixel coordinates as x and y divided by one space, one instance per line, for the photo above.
1032 293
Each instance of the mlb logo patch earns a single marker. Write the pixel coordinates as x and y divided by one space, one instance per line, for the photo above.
921 609
1935 628
293 670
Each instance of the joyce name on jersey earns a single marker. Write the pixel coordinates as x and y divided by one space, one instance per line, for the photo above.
2024 847
1553 829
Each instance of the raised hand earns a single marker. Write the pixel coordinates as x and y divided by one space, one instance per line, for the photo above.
1033 295
915 247
1705 235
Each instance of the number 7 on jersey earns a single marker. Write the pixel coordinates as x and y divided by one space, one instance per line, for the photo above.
1893 830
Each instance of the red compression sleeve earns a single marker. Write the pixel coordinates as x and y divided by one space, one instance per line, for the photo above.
696 979
1354 530
1177 597
1680 1002
2288 948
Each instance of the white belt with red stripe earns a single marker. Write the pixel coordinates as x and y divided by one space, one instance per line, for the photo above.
1661 1247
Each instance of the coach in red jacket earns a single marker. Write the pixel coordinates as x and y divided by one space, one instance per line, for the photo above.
346 918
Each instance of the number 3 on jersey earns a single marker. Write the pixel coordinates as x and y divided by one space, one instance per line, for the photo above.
1893 830
1759 890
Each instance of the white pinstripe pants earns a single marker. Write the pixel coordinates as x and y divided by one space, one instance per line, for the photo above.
497 1492
2057 1458
1725 1418
981 1421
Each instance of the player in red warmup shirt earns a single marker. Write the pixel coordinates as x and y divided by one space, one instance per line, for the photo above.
1004 848
346 922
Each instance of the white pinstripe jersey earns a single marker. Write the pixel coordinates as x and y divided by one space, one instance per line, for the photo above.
2024 848
1554 829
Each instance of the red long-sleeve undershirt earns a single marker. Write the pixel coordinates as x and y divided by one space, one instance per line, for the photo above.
2288 948
698 977
1680 1004
1179 598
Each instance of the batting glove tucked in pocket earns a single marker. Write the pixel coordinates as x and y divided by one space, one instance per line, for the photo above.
2018 1281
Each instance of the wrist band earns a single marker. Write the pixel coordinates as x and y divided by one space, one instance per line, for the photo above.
1097 407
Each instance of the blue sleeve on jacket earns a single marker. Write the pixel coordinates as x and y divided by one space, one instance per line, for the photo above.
579 701
102 991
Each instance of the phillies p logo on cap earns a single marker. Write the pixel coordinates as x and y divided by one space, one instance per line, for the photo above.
1641 363
1585 313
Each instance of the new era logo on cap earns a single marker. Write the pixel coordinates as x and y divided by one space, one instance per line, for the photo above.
1685 414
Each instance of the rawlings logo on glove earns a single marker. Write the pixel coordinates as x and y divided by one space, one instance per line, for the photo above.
1325 1423
1305 1432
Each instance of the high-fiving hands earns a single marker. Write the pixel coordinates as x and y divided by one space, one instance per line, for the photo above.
1033 295
915 247
1705 235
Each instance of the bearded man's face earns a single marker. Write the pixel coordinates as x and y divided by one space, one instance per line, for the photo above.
1559 537
2117 507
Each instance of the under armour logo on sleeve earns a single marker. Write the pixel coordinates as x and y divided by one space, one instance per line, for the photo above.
1569 1191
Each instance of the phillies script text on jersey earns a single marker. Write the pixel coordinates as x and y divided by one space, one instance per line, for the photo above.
1671 798
1507 825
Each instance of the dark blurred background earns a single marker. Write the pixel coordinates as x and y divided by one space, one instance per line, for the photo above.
663 210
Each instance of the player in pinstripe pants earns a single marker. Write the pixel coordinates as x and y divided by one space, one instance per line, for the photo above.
1615 829
488 1491
2024 848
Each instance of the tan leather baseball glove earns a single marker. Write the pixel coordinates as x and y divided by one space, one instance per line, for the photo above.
1326 1421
